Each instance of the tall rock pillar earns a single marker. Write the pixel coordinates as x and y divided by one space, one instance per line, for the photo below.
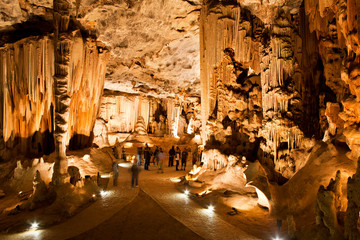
62 43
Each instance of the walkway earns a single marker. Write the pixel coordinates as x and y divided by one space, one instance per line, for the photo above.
105 213
201 221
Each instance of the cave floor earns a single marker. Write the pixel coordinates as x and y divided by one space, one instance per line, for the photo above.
157 209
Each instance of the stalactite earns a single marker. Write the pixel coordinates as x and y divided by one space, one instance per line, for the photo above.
27 103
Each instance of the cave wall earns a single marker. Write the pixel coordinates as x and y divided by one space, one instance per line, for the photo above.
287 96
336 25
121 110
284 74
119 113
27 110
27 95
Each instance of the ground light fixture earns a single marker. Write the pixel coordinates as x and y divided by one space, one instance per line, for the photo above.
102 193
34 226
186 192
277 238
211 208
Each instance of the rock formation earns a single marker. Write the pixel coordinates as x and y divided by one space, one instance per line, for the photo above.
40 192
353 208
32 106
328 205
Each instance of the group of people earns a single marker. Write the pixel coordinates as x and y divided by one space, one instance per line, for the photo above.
177 155
158 157
158 160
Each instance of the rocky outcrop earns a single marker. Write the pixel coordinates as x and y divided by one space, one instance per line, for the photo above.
31 103
337 26
353 208
328 206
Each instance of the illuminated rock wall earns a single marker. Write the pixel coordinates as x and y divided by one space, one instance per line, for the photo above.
227 51
27 109
277 74
27 93
119 113
120 110
337 25
300 80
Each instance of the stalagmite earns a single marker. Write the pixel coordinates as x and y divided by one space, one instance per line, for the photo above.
63 45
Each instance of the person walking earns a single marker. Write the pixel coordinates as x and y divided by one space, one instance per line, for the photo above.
156 156
171 156
134 175
184 159
147 156
115 173
139 153
161 159
177 157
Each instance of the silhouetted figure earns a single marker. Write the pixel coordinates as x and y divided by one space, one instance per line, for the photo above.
115 173
156 156
139 153
171 156
134 175
147 156
161 159
184 159
123 154
177 157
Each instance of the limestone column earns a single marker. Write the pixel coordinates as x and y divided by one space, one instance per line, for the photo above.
62 46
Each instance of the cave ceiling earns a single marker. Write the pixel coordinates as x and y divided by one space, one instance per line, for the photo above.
154 44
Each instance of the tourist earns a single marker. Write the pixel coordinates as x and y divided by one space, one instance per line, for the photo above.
171 156
115 173
147 156
123 154
156 156
161 159
139 154
184 159
177 157
134 175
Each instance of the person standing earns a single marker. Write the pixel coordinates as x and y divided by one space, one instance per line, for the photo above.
184 159
134 175
115 173
123 154
171 156
139 153
156 156
161 159
147 156
177 157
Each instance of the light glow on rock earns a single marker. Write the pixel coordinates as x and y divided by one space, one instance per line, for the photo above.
190 128
175 179
193 174
263 201
125 165
128 145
